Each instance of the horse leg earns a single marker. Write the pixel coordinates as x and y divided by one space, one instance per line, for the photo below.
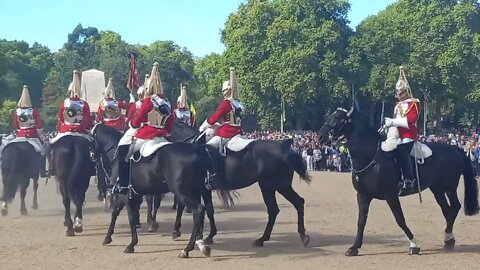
175 202
453 210
111 229
396 208
35 191
157 199
198 218
207 199
363 202
78 225
23 194
178 220
268 193
298 202
68 219
131 209
4 208
149 209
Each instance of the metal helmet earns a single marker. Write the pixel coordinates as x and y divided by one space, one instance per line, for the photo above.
402 88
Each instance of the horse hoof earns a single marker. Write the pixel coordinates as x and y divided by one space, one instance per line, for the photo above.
129 250
107 240
176 235
351 252
208 241
23 212
414 251
206 251
305 240
78 229
258 243
70 233
450 244
183 254
35 206
4 212
153 227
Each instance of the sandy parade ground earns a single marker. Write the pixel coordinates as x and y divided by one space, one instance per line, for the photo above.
38 241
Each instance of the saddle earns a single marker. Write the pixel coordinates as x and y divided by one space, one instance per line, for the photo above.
141 149
420 151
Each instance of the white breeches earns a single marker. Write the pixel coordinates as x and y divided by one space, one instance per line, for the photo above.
215 142
127 138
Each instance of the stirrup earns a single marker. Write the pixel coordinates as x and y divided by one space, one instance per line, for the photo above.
119 189
208 180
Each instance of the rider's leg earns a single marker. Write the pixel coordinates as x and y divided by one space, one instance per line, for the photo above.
216 142
403 157
123 167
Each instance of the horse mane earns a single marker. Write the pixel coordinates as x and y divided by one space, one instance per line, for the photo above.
110 133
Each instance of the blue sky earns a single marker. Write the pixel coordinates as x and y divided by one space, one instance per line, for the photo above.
194 24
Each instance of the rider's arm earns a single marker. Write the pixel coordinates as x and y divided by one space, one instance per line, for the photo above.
223 109
15 120
142 114
170 123
60 115
38 119
87 118
99 114
409 120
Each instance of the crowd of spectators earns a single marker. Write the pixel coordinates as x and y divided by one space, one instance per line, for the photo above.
320 157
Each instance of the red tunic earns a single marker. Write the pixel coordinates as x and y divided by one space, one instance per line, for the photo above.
133 110
146 131
84 127
118 124
408 108
28 132
226 130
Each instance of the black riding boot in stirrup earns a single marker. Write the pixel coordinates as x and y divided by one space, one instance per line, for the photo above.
123 171
43 171
403 157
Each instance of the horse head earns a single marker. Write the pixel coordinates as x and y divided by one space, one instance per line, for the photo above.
105 139
184 133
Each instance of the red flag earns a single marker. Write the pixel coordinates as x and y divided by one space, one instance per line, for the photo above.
133 80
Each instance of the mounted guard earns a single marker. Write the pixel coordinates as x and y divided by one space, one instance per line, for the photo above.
405 118
182 111
224 124
29 126
152 123
74 113
110 109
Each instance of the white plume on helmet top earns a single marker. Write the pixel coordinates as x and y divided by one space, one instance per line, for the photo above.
24 101
109 91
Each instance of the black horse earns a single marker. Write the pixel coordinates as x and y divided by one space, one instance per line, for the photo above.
376 175
73 167
271 164
20 163
180 168
103 151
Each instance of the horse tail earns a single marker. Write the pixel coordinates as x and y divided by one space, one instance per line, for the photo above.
215 162
471 206
296 161
75 171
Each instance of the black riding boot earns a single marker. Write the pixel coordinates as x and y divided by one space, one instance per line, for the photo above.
123 170
403 157
43 170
